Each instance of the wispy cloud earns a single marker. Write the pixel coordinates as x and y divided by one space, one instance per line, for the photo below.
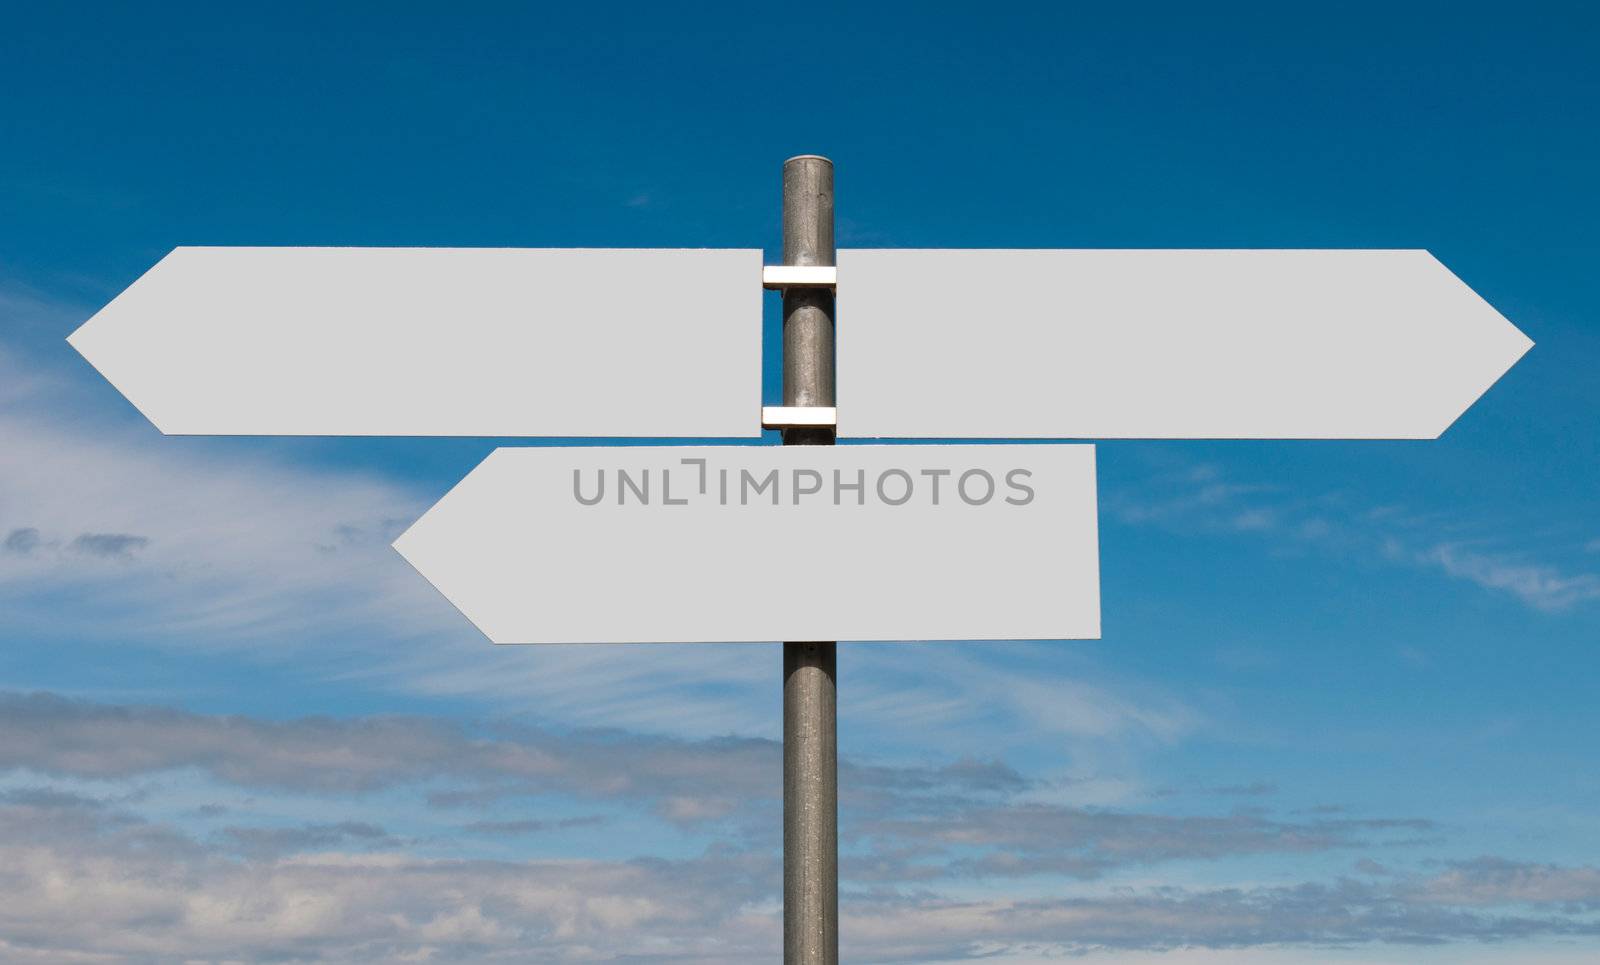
530 825
1486 882
271 842
1199 498
1539 585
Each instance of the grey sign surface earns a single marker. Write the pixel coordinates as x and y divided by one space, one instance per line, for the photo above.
439 342
715 543
1181 344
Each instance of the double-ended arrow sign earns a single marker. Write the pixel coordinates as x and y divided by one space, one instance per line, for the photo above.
609 544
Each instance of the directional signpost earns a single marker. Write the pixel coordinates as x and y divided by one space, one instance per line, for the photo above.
810 542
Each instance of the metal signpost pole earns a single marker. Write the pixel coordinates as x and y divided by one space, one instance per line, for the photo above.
810 752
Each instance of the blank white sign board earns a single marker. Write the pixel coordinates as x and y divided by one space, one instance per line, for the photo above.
439 342
762 543
1182 344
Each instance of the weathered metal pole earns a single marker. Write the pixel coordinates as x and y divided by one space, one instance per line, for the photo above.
810 746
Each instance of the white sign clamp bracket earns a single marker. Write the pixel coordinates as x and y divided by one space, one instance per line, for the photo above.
799 416
780 277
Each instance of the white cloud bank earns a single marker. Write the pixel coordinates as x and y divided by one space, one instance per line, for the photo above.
91 879
87 884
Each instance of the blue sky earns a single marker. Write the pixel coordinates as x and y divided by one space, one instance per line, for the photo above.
1343 710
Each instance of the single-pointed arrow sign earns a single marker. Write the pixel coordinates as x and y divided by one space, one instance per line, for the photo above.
1090 344
439 341
669 544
